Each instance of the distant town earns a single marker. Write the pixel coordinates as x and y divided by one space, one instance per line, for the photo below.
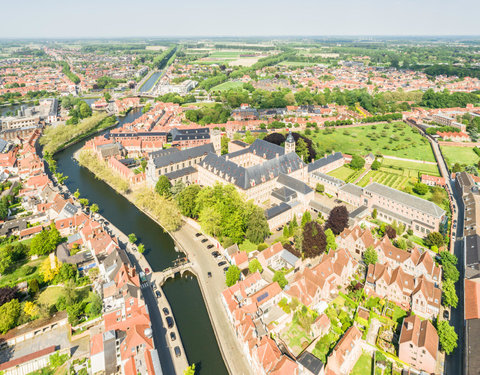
240 206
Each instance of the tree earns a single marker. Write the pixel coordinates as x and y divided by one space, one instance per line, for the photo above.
187 200
320 188
450 272
314 240
420 188
337 220
301 149
75 312
7 293
177 188
331 243
307 217
9 312
141 248
375 165
257 226
94 208
83 201
33 287
449 295
132 238
31 309
232 275
293 225
190 370
390 232
374 213
49 269
67 272
76 194
370 256
255 266
447 336
107 96
286 231
357 162
163 186
434 239
279 277
94 306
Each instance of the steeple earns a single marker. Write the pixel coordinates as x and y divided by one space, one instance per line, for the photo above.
289 143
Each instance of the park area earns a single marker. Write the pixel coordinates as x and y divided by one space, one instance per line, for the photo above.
227 86
395 139
232 57
460 155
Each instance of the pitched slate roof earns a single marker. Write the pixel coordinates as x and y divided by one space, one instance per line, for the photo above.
187 134
406 199
162 158
294 184
317 164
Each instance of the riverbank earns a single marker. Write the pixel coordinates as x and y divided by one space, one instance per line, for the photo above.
55 139
211 289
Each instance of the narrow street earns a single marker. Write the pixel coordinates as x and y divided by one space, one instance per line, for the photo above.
454 362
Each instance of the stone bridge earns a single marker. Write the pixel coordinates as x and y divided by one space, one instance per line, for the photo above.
170 272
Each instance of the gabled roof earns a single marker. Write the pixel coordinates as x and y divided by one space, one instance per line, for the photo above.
331 158
421 333
294 184
162 159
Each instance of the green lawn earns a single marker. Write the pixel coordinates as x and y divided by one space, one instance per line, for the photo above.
50 295
461 155
395 179
363 365
343 173
227 86
20 273
395 139
430 169
228 54
247 246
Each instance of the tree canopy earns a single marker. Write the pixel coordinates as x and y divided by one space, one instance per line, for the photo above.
314 240
232 275
46 241
447 336
337 220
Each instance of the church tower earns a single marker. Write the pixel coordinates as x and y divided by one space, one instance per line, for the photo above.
216 139
289 144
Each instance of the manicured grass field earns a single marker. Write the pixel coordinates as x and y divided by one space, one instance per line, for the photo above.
396 139
227 86
461 155
430 169
20 272
343 173
228 54
363 365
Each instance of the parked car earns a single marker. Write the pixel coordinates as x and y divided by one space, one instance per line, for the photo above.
215 253
169 322
147 271
198 234
446 315
225 269
209 246
178 353
222 263
165 311
158 294
204 240
172 336
209 274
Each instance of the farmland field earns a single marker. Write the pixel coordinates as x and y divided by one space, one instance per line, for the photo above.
396 139
430 169
296 63
461 155
343 173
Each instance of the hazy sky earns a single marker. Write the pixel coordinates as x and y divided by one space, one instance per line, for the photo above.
119 18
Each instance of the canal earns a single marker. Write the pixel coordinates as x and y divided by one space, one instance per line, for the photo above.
183 293
147 86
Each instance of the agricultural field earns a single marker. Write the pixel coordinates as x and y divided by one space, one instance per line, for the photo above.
389 177
461 155
395 139
230 57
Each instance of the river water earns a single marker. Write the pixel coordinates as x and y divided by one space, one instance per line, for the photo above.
184 293
147 86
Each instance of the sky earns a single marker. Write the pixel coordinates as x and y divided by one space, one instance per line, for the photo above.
160 18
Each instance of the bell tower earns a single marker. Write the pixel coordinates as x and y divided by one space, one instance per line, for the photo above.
216 139
289 144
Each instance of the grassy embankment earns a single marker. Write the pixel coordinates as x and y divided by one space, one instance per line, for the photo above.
164 210
57 137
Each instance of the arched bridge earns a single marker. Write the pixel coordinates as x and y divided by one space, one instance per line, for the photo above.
170 272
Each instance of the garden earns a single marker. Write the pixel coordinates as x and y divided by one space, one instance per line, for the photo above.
395 139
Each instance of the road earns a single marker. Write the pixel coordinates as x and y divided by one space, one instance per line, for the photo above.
212 287
454 361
